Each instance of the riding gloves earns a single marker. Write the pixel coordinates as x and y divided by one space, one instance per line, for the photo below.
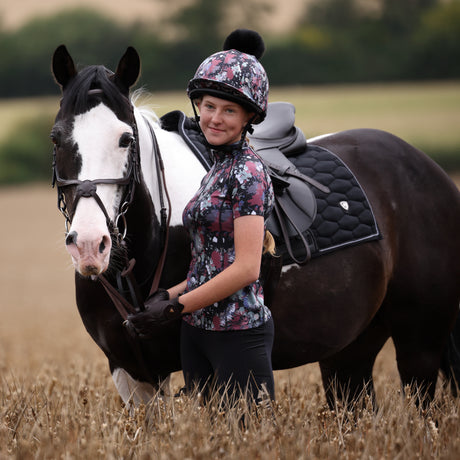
161 294
159 310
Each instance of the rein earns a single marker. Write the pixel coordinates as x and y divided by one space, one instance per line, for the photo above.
165 215
88 189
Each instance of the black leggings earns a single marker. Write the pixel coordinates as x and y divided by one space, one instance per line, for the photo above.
230 360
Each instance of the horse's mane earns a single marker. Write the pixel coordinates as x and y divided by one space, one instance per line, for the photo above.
142 101
78 98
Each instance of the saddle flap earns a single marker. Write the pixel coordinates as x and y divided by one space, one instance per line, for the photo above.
296 207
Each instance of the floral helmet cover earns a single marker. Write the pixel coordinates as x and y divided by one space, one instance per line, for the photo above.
235 73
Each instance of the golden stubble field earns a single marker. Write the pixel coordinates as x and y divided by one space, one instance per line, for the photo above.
57 399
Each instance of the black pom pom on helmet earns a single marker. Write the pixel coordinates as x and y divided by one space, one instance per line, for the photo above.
247 41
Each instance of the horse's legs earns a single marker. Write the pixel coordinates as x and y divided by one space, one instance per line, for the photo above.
420 348
450 364
347 375
418 371
133 392
418 356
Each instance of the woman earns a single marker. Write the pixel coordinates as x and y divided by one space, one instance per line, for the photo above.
227 331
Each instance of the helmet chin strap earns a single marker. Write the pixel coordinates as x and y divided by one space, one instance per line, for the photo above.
226 147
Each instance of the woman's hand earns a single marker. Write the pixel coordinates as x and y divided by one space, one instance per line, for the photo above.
157 313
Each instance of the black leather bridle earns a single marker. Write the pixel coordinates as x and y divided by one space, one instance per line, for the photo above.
88 189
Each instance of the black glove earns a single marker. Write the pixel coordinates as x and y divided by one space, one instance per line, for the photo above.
161 294
156 314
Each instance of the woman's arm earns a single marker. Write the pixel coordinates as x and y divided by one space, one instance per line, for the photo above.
177 289
248 237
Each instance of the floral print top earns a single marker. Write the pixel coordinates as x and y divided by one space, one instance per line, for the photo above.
237 185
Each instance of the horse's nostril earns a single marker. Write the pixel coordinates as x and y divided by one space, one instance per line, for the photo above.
103 244
71 238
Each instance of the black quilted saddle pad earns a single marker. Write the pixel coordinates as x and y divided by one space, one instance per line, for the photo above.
344 216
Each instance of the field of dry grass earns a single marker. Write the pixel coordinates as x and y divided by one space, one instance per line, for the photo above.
57 399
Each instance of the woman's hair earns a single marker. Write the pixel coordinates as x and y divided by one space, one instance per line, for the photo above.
269 244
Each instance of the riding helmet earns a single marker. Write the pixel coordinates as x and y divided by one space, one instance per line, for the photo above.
235 73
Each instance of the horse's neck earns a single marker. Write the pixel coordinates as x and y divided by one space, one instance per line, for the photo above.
183 171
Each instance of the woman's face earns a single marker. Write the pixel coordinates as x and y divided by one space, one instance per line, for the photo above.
222 121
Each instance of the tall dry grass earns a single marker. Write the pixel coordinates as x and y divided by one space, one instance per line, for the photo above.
74 412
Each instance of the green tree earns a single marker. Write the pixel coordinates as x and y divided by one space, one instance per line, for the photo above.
208 22
26 53
333 14
437 43
402 17
201 21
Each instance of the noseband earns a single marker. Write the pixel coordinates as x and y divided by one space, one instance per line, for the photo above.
88 188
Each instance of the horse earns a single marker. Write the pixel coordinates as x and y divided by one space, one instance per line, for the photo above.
113 164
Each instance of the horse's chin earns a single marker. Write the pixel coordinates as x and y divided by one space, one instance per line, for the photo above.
90 268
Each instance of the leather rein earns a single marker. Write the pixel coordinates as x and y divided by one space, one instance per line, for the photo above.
88 189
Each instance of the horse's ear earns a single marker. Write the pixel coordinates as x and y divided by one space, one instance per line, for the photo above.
62 66
128 69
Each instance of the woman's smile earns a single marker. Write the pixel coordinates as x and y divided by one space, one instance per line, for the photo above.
222 121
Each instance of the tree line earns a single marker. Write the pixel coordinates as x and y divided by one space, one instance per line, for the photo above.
337 41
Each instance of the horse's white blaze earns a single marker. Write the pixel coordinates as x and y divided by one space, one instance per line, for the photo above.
97 134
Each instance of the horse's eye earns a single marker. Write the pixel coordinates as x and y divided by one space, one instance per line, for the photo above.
54 138
125 140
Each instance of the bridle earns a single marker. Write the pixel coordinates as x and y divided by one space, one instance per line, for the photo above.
88 189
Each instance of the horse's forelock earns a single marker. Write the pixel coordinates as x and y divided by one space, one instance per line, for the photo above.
79 98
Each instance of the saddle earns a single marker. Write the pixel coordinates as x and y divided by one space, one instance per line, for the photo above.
275 140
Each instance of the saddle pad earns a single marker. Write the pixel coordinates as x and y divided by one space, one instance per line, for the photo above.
344 216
